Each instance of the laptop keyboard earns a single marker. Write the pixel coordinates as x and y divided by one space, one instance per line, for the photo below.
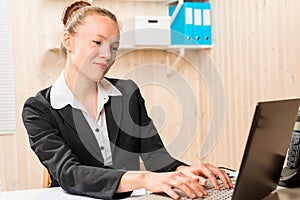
222 194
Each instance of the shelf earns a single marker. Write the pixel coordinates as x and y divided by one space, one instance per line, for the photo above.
180 48
156 1
169 47
145 0
55 49
166 47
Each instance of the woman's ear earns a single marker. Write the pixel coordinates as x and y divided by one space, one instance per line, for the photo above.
68 41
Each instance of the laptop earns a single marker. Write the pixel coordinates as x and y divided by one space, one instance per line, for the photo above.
265 151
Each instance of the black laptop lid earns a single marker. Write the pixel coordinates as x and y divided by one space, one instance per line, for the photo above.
266 148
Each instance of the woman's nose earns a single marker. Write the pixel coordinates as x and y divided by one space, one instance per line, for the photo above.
105 51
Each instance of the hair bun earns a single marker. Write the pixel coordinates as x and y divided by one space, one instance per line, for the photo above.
71 8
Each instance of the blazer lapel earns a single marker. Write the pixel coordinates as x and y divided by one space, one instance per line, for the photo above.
76 120
113 112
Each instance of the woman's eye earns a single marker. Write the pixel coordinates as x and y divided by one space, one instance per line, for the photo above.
97 42
114 48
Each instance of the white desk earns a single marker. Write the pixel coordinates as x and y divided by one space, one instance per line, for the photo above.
41 194
59 194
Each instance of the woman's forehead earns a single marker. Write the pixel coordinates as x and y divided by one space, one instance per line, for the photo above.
100 25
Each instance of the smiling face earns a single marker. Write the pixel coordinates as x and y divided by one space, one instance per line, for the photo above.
92 50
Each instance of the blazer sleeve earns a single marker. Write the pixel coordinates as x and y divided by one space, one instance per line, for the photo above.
153 152
57 157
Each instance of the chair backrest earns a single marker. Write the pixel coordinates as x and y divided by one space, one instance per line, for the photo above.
46 179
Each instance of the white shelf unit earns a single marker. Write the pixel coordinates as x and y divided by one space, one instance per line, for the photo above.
168 47
158 1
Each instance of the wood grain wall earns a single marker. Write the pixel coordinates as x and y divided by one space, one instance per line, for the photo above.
254 54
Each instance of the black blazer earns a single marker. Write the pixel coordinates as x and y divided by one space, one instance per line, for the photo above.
67 147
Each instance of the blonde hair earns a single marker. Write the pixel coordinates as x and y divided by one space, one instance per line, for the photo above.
75 13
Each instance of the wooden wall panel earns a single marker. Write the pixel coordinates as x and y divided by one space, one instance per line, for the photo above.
255 52
255 48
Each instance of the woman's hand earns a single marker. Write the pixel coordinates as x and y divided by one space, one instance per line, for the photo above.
189 180
207 171
166 182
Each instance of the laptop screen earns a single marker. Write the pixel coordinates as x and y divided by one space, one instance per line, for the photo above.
266 148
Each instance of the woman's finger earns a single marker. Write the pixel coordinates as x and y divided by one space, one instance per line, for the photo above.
169 191
220 174
189 186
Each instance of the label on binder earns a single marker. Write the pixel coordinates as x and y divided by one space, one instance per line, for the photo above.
197 17
206 17
188 15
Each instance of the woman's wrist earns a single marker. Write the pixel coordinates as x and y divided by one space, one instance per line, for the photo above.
181 167
132 180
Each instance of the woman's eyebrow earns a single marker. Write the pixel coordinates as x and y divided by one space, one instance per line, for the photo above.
101 36
106 38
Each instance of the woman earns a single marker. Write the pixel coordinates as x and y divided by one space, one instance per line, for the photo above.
90 131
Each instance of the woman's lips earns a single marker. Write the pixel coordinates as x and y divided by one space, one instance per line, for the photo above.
101 65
